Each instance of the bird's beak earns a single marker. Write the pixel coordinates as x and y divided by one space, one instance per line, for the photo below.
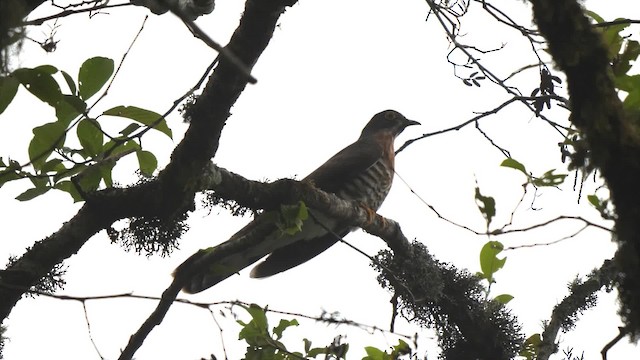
411 122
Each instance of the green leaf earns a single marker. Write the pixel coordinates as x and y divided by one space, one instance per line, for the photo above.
628 83
46 138
622 64
93 74
38 181
549 179
8 90
594 200
7 175
41 84
612 39
292 218
115 148
282 326
148 162
52 165
530 347
69 108
632 101
70 83
255 332
311 353
106 170
89 179
503 299
486 205
32 193
512 163
489 262
258 315
129 129
146 117
12 171
374 353
594 16
66 173
69 188
401 349
90 136
49 69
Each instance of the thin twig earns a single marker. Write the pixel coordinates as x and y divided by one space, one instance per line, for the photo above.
115 74
156 317
222 50
480 116
86 317
622 333
224 348
67 12
371 258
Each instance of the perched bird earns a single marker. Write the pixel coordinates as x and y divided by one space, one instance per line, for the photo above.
363 172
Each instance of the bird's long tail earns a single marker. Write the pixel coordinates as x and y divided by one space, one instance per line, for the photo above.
208 267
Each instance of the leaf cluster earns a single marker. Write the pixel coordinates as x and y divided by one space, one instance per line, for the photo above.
265 343
54 162
546 89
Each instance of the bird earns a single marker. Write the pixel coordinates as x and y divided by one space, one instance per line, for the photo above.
361 172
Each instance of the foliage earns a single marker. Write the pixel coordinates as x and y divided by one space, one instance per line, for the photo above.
429 292
489 261
530 347
55 163
265 343
622 52
289 218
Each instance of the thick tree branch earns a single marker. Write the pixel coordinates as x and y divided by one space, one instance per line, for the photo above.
258 195
611 134
174 189
581 297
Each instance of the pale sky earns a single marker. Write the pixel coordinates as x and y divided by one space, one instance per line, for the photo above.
330 66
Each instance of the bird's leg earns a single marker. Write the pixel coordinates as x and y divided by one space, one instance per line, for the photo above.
371 214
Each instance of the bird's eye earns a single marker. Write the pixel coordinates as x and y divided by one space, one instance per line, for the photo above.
390 116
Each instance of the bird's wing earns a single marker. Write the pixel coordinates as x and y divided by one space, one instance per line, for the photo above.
345 165
314 238
295 254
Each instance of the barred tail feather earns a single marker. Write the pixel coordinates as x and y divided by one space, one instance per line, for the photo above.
209 274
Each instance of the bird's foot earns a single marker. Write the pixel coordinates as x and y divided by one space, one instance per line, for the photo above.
371 214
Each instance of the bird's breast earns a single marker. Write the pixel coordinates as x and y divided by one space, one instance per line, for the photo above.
370 186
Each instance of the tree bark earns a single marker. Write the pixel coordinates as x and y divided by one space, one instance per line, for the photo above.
174 189
611 133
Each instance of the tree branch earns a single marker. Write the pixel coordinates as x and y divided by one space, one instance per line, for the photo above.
581 297
258 195
612 135
174 189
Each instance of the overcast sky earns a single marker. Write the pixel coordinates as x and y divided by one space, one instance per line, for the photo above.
330 66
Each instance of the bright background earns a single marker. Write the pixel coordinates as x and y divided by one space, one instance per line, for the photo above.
331 65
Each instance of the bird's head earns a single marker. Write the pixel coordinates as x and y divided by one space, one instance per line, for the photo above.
387 121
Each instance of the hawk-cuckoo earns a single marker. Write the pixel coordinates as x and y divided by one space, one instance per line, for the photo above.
363 172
